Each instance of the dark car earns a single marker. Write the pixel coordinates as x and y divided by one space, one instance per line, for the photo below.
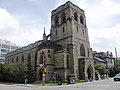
117 77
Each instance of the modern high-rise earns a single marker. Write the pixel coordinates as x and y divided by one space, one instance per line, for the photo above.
5 47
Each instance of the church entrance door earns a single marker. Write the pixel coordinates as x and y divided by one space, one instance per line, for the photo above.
90 73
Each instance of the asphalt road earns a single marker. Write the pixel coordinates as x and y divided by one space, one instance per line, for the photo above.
95 85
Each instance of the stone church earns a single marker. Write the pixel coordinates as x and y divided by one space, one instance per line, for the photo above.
66 50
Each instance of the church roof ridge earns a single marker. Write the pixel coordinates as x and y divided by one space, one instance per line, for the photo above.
27 47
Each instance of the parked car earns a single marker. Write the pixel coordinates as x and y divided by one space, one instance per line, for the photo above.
117 77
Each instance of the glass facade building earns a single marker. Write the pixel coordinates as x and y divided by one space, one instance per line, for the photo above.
6 47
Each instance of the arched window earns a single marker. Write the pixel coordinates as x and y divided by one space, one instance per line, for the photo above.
17 60
56 20
63 29
83 31
82 50
76 16
63 17
88 51
48 51
68 63
22 59
29 61
8 61
81 20
77 29
56 32
42 58
12 60
35 60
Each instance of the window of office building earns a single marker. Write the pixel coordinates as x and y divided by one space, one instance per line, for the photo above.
3 55
14 47
5 46
4 51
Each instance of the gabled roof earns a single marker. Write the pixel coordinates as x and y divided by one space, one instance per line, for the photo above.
98 59
50 45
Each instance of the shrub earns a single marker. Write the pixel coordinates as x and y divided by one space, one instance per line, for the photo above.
80 81
16 72
64 81
52 81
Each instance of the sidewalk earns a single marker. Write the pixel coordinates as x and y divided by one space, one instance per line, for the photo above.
68 85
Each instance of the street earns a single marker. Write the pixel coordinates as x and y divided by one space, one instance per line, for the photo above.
95 85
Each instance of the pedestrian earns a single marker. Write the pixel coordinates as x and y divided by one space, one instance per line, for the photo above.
25 80
107 76
99 77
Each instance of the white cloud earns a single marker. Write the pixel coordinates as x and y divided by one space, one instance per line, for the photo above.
32 0
105 39
18 32
103 34
8 25
28 34
98 11
7 21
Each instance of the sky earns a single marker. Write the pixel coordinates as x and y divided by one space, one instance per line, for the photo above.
22 21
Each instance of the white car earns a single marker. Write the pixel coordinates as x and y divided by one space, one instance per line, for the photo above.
117 77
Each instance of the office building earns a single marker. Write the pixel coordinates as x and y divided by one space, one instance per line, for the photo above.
5 47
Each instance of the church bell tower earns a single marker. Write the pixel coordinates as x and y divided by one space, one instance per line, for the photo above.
69 29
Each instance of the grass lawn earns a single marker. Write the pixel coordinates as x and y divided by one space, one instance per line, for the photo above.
48 84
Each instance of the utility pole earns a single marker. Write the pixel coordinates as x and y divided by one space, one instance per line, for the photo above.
116 58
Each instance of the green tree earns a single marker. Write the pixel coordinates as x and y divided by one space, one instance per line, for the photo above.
16 72
100 68
112 71
1 72
30 74
20 70
13 72
117 65
106 71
